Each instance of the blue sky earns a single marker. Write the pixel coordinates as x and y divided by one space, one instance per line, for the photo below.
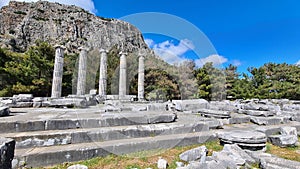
243 32
246 33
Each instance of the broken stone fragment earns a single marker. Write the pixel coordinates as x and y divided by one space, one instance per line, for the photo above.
4 111
286 130
78 166
23 97
283 140
194 154
7 149
162 163
69 102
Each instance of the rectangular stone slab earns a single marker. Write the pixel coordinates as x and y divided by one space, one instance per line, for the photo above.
61 119
85 135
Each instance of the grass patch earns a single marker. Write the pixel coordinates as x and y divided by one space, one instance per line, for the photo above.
289 153
141 160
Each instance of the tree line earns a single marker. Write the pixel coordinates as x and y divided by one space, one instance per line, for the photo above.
31 72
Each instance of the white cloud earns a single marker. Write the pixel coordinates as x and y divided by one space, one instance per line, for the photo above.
298 63
236 63
215 59
85 4
170 52
149 42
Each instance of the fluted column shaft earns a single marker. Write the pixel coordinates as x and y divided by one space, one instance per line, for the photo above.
123 75
103 73
141 78
58 72
82 69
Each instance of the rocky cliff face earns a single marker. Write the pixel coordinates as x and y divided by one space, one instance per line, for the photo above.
21 24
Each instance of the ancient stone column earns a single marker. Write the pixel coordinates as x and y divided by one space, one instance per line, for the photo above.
141 77
58 72
103 73
123 75
82 68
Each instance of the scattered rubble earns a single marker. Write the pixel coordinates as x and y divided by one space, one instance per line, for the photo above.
4 111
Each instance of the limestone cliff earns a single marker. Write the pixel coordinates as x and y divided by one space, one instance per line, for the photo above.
21 24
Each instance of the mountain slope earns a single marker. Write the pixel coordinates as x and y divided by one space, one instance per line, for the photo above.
24 23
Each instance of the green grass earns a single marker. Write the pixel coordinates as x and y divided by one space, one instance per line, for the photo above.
289 153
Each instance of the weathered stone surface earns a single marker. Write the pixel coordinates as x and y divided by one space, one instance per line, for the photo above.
103 74
223 106
22 105
4 111
278 163
46 104
207 165
238 154
48 138
82 72
214 113
194 154
258 113
23 97
267 120
37 104
224 160
162 163
257 155
213 123
123 76
58 72
7 149
283 140
295 116
186 105
194 165
252 106
77 166
7 102
141 77
179 164
237 119
286 130
291 107
90 99
251 140
69 102
156 107
39 99
46 141
61 119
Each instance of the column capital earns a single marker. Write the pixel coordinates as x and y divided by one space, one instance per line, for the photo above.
59 46
123 53
103 51
142 53
83 48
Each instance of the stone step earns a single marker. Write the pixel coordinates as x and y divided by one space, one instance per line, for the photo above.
275 120
62 119
267 129
86 135
275 129
46 156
